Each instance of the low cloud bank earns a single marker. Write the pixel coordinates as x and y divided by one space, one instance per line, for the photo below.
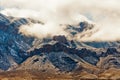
56 14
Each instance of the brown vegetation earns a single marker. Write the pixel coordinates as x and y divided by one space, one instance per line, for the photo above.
43 75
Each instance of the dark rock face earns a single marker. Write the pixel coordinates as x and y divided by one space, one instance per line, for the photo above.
12 44
61 61
89 56
84 26
61 39
110 51
85 54
3 21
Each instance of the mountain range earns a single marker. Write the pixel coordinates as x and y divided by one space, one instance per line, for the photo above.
57 54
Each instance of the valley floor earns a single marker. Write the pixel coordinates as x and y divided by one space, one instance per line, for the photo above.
41 75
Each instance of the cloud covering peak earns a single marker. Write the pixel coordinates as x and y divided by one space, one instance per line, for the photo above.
57 14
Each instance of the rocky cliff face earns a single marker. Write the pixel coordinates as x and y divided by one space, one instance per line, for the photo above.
12 44
19 52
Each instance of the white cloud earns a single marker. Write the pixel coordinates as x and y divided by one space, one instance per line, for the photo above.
105 13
